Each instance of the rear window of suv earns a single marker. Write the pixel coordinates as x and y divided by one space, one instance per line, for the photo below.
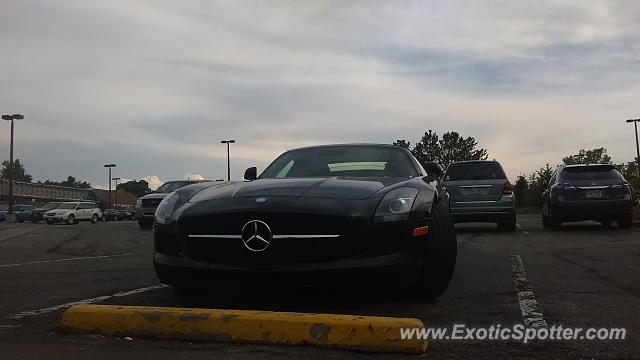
474 171
591 173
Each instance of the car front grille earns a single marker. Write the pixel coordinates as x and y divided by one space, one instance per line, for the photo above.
295 250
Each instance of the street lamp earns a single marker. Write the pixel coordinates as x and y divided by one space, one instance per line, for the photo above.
116 179
231 141
110 166
635 124
11 118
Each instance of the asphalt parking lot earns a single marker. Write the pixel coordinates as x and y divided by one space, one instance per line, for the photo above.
583 276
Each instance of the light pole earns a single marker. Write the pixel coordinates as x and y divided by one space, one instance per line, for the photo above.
110 166
116 180
635 124
231 141
11 118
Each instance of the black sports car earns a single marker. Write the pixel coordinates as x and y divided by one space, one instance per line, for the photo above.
350 213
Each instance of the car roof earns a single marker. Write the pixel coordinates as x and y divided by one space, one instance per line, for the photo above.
588 165
352 144
475 161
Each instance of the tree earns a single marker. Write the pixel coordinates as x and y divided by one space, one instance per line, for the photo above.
402 143
70 182
630 173
593 156
520 190
137 188
451 147
19 174
538 182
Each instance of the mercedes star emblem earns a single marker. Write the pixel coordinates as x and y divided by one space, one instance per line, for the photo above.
256 235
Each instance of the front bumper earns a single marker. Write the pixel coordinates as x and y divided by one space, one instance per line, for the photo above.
396 264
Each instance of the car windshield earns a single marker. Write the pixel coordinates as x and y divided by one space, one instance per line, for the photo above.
173 186
21 207
51 206
349 161
68 206
591 173
474 171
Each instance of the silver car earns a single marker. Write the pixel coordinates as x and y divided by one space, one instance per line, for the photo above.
480 192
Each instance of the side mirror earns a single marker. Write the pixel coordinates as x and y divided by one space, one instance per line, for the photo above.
251 173
434 169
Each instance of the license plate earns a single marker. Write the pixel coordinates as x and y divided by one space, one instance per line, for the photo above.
594 194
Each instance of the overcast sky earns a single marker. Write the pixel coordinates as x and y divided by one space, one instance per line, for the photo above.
155 85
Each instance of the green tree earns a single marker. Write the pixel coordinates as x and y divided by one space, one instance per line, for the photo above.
538 182
593 156
402 143
451 147
630 173
69 182
137 188
520 190
19 174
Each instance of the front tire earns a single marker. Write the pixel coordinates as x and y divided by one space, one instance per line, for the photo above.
94 219
439 260
71 220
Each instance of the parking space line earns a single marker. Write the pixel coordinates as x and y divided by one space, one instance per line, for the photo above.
519 227
24 314
66 259
531 311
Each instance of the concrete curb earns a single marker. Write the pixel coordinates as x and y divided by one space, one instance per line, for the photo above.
324 330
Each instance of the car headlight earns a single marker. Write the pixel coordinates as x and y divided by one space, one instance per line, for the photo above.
396 205
166 207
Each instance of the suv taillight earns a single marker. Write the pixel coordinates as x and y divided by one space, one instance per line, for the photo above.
507 189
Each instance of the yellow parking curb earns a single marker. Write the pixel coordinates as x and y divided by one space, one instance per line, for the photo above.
266 327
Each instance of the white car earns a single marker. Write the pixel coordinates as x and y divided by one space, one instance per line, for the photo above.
74 212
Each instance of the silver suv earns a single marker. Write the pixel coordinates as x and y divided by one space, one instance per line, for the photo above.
480 192
74 212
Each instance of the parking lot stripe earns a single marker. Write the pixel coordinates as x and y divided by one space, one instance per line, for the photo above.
24 314
531 311
519 227
372 333
66 259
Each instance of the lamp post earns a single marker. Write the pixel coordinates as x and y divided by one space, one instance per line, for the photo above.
110 166
116 180
231 141
635 124
11 118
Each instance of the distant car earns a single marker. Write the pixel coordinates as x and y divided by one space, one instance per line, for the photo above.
480 192
74 212
111 215
22 212
146 205
587 192
38 213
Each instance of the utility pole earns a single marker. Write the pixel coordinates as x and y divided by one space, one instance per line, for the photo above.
231 141
11 118
635 124
116 180
110 166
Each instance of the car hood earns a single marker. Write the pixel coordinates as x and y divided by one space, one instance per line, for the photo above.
155 196
329 188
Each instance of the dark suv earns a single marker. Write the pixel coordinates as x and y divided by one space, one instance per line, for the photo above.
146 205
587 192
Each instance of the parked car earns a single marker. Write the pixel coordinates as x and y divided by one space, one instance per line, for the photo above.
22 212
112 215
587 192
38 213
480 192
146 205
73 212
335 213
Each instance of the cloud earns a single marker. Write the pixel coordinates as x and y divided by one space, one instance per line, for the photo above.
154 86
192 176
154 181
